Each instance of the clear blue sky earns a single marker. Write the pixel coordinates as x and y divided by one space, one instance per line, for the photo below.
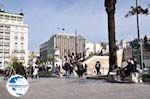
87 16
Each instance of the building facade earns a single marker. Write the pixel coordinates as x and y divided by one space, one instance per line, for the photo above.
65 44
13 39
95 48
33 57
44 51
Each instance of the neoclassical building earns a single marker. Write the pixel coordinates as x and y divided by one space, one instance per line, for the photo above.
66 44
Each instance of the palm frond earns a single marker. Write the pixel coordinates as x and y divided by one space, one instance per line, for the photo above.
139 10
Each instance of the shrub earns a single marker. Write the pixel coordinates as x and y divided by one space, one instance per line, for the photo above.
45 74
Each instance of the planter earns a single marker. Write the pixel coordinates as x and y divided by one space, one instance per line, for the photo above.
45 74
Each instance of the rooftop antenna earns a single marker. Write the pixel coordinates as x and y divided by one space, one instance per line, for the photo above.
1 7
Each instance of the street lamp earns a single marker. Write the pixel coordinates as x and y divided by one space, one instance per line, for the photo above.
110 9
137 20
136 11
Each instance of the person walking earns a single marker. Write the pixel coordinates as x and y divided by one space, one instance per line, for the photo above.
35 71
21 70
85 68
67 68
80 69
57 70
97 67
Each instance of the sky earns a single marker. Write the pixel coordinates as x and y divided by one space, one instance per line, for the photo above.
88 17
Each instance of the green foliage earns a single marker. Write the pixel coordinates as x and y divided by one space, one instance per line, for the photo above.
15 63
146 76
44 60
139 10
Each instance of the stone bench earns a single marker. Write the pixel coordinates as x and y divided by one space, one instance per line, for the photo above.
135 77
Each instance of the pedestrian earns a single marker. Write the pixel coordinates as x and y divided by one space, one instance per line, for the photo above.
71 69
57 70
101 53
135 65
35 71
21 70
97 67
67 68
32 70
85 68
80 69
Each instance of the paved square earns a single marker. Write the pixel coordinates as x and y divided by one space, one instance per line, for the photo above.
74 88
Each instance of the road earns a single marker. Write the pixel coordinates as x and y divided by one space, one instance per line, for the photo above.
74 88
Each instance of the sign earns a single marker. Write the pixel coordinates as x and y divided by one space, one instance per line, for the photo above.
17 85
135 44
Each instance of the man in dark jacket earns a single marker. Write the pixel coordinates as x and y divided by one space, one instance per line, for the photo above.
20 70
80 69
97 67
67 68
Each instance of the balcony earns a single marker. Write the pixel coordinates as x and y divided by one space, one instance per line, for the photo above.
6 50
16 51
22 51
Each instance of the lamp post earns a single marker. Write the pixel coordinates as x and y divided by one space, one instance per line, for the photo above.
110 9
137 20
138 34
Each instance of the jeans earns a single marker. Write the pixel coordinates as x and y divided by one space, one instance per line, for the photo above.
67 73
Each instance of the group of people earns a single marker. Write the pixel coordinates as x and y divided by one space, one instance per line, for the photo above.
17 69
21 70
77 67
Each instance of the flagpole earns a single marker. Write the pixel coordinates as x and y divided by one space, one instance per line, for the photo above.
75 42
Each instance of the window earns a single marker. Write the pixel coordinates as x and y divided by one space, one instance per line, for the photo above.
7 32
22 51
16 43
21 58
7 17
22 38
19 18
1 16
16 51
16 37
7 27
16 58
21 43
16 27
13 18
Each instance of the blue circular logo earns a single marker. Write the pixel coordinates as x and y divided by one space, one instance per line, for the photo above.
17 85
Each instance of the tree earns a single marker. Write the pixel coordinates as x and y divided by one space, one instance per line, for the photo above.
110 6
14 63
